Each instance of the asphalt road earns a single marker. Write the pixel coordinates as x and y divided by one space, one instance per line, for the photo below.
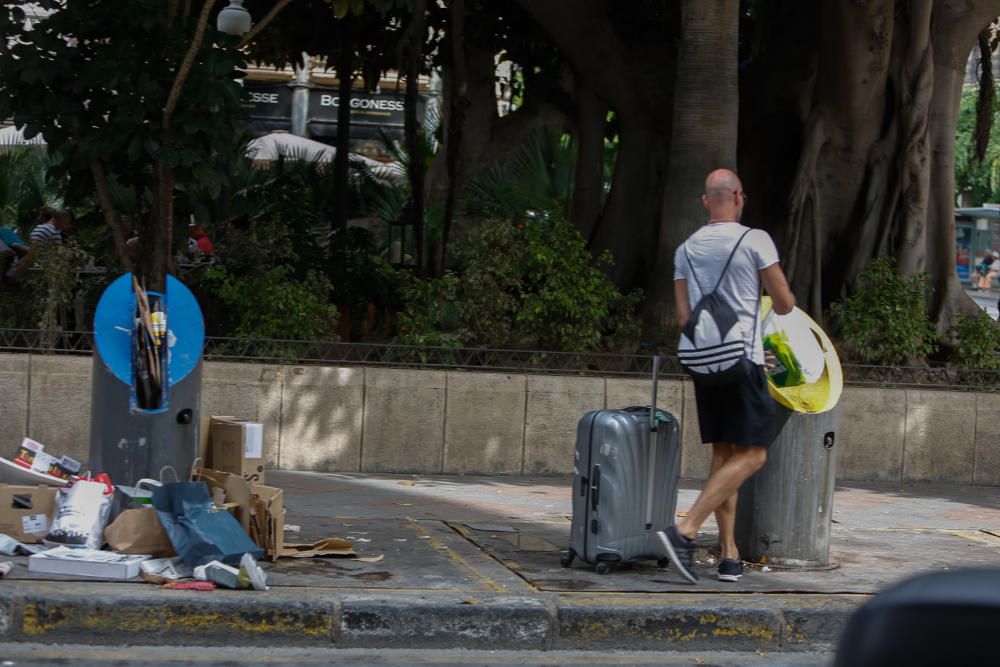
37 655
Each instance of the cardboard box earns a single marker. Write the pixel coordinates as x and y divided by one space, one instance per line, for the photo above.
26 511
86 563
261 509
267 520
237 446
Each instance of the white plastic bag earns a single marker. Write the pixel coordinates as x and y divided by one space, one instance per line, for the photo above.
82 514
808 352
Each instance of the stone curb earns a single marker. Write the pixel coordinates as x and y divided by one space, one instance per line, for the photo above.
94 613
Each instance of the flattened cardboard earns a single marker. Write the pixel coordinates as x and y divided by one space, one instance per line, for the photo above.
330 546
236 446
26 511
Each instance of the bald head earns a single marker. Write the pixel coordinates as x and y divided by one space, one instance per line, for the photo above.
723 195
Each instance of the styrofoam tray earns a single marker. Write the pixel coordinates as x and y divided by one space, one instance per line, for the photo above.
11 473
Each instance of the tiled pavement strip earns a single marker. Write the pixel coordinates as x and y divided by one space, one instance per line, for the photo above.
473 562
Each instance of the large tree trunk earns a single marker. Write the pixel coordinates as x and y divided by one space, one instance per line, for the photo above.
341 164
475 136
874 142
414 55
588 181
956 26
703 136
635 77
626 228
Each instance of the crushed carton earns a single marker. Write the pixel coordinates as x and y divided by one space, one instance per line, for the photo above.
86 563
31 455
26 511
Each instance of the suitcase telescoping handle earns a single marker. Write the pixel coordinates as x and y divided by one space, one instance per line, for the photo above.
651 467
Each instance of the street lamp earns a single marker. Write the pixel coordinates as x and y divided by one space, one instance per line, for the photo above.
234 19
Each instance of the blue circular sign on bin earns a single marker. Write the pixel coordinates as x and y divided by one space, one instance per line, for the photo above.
114 322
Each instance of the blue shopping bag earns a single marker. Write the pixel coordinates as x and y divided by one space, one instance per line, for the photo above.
199 532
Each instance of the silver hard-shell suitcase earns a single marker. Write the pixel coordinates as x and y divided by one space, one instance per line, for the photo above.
625 485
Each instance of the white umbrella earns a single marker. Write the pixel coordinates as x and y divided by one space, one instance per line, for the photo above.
293 147
13 136
282 144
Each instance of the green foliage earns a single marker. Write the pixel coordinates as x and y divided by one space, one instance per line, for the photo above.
980 181
526 286
273 304
886 321
429 317
536 181
359 276
95 78
260 294
53 281
25 185
978 343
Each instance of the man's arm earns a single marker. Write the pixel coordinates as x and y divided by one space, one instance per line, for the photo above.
776 286
682 301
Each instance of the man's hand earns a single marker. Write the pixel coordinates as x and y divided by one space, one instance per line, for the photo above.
770 361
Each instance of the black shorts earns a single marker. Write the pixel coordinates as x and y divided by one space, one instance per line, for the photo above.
741 412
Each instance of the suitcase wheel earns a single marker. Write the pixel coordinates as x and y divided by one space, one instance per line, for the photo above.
602 568
567 559
663 563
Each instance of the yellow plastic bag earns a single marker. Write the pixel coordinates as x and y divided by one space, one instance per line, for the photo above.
814 397
786 371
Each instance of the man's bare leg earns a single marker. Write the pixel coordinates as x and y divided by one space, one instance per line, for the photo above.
725 514
722 486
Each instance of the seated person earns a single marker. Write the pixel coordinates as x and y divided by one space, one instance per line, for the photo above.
12 250
52 229
199 245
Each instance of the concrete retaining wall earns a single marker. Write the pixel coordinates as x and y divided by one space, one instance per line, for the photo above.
396 420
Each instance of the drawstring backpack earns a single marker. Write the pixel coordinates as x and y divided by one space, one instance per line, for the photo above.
712 348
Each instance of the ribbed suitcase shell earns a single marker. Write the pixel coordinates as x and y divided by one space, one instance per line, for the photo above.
611 481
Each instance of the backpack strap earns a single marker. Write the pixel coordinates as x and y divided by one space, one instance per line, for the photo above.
691 266
724 268
730 260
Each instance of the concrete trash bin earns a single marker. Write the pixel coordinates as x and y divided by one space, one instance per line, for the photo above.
785 511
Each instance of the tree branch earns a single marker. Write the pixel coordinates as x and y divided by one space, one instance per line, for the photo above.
185 68
249 37
172 6
110 212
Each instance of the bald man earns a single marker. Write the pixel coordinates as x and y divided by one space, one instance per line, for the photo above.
736 418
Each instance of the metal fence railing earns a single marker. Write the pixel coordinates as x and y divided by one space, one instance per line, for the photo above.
520 361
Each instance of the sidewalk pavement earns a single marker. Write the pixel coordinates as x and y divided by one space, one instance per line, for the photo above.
473 562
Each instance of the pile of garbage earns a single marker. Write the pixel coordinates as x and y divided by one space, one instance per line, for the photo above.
205 531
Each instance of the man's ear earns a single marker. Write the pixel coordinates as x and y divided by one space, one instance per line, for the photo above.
704 201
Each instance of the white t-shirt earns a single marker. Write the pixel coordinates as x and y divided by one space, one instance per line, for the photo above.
708 249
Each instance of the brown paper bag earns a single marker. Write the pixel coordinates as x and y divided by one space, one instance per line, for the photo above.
138 531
